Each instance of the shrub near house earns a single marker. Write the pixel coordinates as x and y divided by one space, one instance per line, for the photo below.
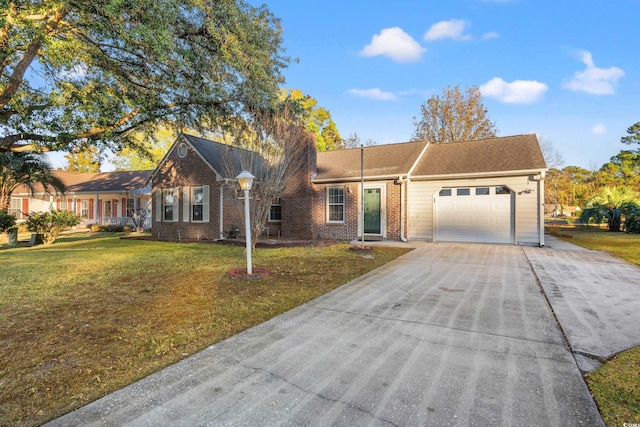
51 224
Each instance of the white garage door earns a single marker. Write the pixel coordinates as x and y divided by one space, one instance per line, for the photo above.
474 214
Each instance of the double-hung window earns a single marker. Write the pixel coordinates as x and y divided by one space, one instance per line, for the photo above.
197 204
275 212
335 204
170 204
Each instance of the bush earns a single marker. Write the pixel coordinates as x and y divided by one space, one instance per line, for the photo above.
127 229
632 223
51 224
7 221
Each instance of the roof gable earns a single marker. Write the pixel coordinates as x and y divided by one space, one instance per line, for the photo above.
505 154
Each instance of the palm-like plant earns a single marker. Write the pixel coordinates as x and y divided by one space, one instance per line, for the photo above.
26 169
611 205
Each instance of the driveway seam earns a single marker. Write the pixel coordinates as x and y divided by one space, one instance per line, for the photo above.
555 316
415 322
327 398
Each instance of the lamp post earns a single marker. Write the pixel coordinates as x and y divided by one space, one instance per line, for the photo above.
245 179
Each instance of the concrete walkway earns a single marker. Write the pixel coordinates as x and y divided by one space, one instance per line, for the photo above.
449 334
594 295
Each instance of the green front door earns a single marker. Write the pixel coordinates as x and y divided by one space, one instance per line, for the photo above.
372 211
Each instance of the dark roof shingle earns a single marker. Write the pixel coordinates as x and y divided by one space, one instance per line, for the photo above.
510 153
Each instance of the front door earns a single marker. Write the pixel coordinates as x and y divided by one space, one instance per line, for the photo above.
372 211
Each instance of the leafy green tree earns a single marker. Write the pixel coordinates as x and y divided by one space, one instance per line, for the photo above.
155 147
26 169
84 159
7 221
623 169
98 70
51 224
611 205
633 134
454 117
317 120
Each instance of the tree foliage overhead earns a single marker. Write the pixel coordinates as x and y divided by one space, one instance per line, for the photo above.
454 116
633 134
317 120
83 159
97 70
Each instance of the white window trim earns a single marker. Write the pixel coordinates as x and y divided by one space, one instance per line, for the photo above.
175 204
344 207
276 204
204 204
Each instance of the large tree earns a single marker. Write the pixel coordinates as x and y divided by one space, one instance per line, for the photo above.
633 134
84 159
74 70
454 116
317 120
275 147
26 169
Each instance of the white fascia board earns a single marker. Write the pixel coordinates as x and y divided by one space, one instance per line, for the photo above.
357 178
478 175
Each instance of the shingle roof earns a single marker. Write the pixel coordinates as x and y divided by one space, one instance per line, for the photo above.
511 153
96 182
216 153
379 160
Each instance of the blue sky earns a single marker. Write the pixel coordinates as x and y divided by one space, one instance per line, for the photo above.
568 70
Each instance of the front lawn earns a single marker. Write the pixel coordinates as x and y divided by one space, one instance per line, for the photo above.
615 386
92 313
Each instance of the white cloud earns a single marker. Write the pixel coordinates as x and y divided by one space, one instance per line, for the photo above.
453 29
594 80
516 92
490 35
598 129
395 44
374 93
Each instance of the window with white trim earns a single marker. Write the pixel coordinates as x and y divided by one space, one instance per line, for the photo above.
84 209
197 204
130 209
275 212
15 207
170 204
335 204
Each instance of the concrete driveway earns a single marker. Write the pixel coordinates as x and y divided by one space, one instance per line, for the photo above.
449 334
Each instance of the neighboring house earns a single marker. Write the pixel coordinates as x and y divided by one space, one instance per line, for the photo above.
108 198
489 190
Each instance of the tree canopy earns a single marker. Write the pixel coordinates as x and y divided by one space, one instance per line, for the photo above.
454 116
317 120
633 134
75 70
83 159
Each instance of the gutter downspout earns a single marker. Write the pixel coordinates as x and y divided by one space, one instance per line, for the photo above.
402 209
541 206
221 210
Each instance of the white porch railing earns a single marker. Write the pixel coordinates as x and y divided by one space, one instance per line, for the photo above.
121 221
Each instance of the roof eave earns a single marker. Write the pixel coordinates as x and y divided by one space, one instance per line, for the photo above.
520 172
358 178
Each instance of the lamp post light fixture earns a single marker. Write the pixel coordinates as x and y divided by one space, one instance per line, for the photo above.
245 179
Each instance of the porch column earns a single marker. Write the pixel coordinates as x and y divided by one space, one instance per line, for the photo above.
95 208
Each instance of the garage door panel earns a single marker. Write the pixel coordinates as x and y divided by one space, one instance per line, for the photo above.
474 216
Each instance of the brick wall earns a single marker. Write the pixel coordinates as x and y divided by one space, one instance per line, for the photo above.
189 172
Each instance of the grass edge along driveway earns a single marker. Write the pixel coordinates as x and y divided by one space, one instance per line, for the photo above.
92 313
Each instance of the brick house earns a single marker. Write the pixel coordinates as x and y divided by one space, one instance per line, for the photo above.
490 190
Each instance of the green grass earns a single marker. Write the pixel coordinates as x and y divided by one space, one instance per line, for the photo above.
615 386
92 313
